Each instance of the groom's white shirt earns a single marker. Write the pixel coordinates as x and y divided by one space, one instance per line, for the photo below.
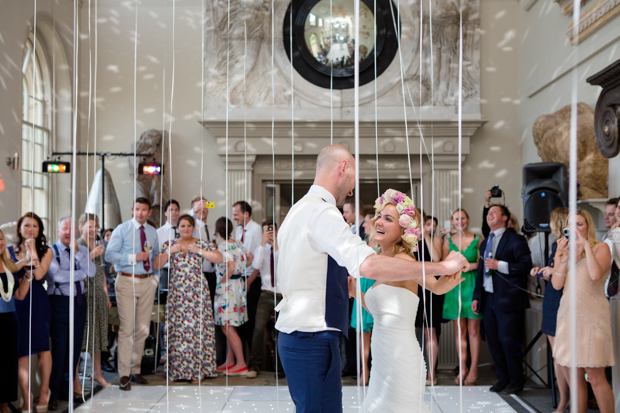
313 230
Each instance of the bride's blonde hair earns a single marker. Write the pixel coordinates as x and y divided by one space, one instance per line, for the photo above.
401 245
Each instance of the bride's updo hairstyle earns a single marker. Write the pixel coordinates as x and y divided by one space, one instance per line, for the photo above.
409 221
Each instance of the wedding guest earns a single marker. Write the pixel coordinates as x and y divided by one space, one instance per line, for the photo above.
610 215
466 322
249 234
131 249
551 303
501 297
366 223
10 288
96 335
60 296
165 233
266 261
32 252
201 232
230 297
430 306
191 338
593 337
107 233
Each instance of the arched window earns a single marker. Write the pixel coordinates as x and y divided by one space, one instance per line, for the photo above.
36 130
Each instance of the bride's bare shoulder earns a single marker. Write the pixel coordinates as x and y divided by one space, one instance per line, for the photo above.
404 256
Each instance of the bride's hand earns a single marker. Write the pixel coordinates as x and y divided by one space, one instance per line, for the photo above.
447 283
352 287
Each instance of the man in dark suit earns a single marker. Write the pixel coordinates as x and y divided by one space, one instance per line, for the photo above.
501 296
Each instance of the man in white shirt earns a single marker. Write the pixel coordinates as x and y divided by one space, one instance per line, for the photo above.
265 261
317 252
165 233
250 234
201 231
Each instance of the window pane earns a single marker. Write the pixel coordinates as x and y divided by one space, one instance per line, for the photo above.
40 205
25 200
39 180
38 157
26 147
25 109
26 178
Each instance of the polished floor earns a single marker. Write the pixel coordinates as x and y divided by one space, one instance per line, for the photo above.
240 399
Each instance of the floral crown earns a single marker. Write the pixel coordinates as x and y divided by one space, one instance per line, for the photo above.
406 211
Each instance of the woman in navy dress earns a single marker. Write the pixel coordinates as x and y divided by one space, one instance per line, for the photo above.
551 301
34 256
10 288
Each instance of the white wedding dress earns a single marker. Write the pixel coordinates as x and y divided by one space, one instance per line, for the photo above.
398 374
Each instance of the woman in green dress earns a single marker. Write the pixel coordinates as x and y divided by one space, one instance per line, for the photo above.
468 322
96 332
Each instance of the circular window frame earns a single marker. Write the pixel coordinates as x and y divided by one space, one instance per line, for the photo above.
326 77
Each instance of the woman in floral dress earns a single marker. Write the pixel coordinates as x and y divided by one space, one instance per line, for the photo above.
230 297
190 329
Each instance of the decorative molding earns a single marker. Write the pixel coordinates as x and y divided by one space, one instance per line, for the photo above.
593 18
311 137
367 163
607 112
566 5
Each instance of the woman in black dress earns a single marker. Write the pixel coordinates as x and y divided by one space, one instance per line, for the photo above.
430 306
33 253
10 288
551 301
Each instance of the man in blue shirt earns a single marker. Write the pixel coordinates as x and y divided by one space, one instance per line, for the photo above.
131 249
59 283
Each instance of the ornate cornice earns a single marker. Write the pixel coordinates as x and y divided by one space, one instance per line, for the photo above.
590 20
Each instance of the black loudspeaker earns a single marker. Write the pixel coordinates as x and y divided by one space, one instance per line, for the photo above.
545 188
148 356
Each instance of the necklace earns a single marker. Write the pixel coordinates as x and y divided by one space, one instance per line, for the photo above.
6 296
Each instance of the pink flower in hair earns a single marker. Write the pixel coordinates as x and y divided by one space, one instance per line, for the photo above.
398 197
404 221
409 211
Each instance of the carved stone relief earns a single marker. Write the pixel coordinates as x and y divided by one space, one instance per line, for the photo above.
239 54
150 186
607 113
552 138
445 68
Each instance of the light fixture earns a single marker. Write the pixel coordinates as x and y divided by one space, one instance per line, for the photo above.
150 168
56 167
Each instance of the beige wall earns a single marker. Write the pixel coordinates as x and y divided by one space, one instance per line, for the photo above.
545 70
495 153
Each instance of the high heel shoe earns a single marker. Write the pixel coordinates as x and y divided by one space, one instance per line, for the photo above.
42 408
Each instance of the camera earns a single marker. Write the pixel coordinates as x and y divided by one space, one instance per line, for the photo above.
496 192
566 232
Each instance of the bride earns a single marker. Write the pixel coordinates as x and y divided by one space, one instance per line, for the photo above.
397 377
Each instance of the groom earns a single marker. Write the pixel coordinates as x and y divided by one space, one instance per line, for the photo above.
317 251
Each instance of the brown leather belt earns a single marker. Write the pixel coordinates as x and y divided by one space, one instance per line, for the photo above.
135 275
271 293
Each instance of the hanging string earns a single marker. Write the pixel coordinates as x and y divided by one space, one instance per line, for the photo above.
331 74
202 160
572 206
170 177
292 112
356 111
73 200
34 91
460 152
226 172
375 102
88 246
273 182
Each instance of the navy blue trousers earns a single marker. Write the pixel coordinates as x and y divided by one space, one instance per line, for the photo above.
312 365
59 333
503 332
